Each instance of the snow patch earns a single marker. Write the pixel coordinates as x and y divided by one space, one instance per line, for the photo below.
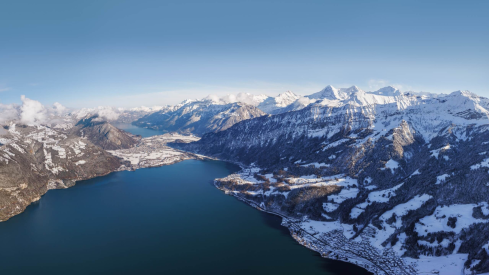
391 164
442 178
381 196
80 162
444 265
316 164
484 163
438 221
435 153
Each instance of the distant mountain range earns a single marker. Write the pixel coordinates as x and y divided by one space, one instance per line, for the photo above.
199 117
214 114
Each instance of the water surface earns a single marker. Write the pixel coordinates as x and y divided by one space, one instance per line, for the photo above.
144 132
165 220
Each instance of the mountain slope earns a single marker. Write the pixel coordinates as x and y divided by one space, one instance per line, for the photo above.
37 158
199 117
103 134
34 159
406 174
273 105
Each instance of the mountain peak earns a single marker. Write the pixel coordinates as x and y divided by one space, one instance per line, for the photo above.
187 101
464 93
353 89
387 91
285 98
288 94
330 93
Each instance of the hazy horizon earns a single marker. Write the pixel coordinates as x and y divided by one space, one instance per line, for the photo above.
272 92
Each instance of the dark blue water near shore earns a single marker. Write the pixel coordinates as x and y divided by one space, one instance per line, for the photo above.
165 220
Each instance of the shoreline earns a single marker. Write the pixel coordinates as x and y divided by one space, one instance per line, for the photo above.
293 229
300 235
144 151
303 237
124 168
289 226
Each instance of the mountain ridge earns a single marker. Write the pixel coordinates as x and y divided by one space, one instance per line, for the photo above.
199 117
397 160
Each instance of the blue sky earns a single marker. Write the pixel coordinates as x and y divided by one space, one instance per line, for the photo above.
130 53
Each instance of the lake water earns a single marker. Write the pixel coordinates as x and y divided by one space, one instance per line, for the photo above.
165 220
144 132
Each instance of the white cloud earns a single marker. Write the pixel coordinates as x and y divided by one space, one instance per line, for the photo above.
252 99
32 111
58 108
8 113
4 89
106 112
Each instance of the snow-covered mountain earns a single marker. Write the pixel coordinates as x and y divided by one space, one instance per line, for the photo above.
285 102
332 93
273 105
395 182
215 113
388 91
199 116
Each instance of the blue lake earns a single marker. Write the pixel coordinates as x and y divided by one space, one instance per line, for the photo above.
165 220
144 132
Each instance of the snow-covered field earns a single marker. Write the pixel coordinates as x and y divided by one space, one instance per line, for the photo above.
439 220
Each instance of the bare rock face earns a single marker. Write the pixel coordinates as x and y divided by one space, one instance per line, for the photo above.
103 134
34 159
